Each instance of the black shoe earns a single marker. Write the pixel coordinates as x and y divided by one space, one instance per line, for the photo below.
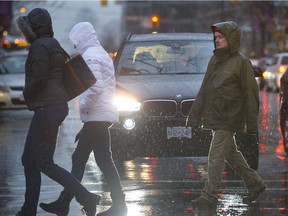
20 213
203 203
60 207
89 208
115 210
118 208
253 195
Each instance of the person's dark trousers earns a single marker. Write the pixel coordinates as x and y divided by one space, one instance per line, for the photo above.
95 136
38 157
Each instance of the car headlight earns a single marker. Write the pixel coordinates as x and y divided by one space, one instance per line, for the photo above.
126 104
129 124
268 75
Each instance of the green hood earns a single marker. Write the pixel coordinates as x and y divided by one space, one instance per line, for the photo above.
232 32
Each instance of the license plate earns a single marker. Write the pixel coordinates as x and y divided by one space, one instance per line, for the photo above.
179 132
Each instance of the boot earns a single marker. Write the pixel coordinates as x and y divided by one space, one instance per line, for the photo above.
20 213
60 207
118 208
89 207
253 195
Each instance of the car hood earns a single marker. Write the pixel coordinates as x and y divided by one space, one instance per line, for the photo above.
174 87
12 79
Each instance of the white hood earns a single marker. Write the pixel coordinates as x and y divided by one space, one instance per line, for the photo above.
96 103
83 36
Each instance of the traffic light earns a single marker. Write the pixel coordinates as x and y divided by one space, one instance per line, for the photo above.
104 3
155 22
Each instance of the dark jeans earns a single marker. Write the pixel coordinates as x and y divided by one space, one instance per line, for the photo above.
95 136
38 157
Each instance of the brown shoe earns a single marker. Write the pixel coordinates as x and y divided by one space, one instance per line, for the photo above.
203 203
253 195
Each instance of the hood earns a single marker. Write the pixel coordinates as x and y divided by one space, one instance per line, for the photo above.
173 87
36 24
83 36
231 31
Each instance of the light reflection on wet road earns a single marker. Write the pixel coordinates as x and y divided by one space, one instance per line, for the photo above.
154 186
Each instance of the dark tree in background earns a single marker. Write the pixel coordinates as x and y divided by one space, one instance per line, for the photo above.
6 16
264 24
262 21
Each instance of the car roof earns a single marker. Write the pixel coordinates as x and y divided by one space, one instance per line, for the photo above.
282 54
170 36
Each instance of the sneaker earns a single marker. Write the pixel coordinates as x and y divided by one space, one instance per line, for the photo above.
203 203
253 195
90 206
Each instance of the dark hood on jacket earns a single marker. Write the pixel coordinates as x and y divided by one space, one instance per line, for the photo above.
231 31
36 24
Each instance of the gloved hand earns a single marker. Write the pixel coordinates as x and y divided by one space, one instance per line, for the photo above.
192 123
251 132
251 129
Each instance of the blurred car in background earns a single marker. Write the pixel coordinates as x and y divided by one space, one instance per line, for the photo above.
13 42
259 79
12 79
273 72
158 78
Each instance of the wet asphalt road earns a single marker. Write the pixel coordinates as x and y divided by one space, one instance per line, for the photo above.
153 186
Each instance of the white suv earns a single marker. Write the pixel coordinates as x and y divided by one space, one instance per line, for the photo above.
274 72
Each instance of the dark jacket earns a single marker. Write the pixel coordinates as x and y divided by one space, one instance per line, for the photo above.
229 97
45 62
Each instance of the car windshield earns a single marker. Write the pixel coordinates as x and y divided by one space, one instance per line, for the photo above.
13 65
165 57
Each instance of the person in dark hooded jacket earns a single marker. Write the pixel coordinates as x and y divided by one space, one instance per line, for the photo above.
227 102
45 95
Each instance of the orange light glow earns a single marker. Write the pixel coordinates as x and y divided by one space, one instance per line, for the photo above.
22 10
155 19
281 69
265 74
7 43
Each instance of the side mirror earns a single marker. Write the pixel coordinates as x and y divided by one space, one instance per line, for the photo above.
258 72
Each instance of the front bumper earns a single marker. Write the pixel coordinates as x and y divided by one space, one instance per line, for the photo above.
12 100
149 138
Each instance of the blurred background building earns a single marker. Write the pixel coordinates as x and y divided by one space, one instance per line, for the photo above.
264 23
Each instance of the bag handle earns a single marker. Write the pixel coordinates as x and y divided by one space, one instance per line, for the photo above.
71 70
66 55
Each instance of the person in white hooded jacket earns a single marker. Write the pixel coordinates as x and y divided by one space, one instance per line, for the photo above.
98 113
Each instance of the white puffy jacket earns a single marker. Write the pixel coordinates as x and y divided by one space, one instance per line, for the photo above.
96 103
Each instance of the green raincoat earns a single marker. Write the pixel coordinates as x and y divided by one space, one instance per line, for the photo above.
229 97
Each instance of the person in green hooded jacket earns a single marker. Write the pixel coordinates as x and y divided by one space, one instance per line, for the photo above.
227 102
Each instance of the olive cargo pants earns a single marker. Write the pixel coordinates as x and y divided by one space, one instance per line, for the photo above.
223 148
